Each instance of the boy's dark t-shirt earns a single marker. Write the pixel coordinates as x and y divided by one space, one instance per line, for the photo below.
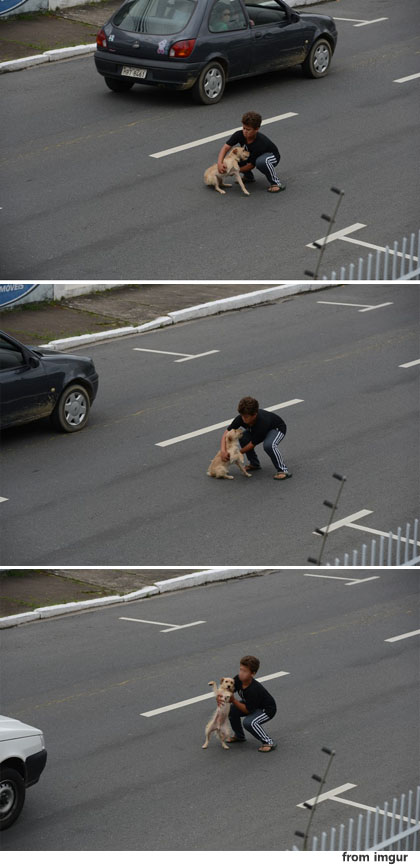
262 144
264 422
256 697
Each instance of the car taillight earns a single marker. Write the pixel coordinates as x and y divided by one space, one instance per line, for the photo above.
182 49
101 40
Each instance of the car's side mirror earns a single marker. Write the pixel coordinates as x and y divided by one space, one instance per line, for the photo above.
32 361
294 16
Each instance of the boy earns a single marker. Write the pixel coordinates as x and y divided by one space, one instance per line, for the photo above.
256 705
263 153
260 426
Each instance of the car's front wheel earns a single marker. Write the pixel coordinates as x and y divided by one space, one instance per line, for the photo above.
12 796
209 87
118 85
72 410
318 60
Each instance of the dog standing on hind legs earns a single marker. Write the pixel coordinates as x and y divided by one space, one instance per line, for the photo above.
219 722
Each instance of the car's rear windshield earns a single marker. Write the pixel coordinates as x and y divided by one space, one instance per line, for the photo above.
158 17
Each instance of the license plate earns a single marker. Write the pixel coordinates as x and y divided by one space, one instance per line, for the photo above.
132 72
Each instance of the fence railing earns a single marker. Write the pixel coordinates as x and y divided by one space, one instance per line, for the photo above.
399 262
389 829
400 548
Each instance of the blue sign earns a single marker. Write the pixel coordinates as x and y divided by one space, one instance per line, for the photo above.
11 292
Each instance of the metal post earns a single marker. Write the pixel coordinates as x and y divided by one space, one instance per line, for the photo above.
354 557
378 262
359 832
372 551
381 549
398 551
386 262
341 838
351 269
376 827
364 549
407 543
395 261
360 270
384 820
390 540
403 261
350 834
415 537
367 829
369 266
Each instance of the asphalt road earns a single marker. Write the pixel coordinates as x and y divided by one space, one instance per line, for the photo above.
111 495
116 779
82 197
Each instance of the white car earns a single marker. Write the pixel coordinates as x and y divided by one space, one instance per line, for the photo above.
22 759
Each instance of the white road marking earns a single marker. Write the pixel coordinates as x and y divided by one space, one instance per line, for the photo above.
333 795
206 696
218 135
407 78
340 235
3 499
350 521
410 363
361 21
344 235
346 520
218 426
402 636
171 624
327 795
363 308
350 581
182 355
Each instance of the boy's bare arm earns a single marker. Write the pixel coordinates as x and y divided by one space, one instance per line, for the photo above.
222 153
239 705
248 447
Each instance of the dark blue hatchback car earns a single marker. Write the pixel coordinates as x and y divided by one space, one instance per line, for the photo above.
200 44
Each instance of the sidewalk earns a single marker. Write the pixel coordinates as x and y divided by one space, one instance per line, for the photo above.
101 311
25 590
34 33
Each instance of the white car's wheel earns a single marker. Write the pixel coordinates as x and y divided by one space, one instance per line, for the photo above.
12 796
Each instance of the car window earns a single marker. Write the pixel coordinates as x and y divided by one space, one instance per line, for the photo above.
227 15
10 356
265 12
158 17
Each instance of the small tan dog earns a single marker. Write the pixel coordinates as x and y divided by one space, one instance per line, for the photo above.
219 722
212 176
219 468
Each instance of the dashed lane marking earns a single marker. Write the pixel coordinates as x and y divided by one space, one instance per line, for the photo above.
205 697
219 426
217 136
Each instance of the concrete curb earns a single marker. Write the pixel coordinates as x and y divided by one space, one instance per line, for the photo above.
46 57
198 578
211 308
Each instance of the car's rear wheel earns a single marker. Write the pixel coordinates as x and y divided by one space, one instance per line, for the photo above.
12 796
318 60
209 87
72 410
118 85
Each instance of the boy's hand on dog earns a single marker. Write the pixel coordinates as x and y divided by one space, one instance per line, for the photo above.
221 168
225 456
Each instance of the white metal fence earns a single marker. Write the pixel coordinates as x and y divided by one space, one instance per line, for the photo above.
399 262
400 548
389 829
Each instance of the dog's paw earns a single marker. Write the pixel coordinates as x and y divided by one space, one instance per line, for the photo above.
246 192
205 746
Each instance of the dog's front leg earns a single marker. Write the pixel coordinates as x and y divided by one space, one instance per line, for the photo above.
241 183
218 187
240 463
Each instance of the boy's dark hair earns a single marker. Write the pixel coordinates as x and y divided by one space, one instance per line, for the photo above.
250 662
252 119
248 406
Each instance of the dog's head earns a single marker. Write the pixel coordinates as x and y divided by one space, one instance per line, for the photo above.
240 152
233 436
228 684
